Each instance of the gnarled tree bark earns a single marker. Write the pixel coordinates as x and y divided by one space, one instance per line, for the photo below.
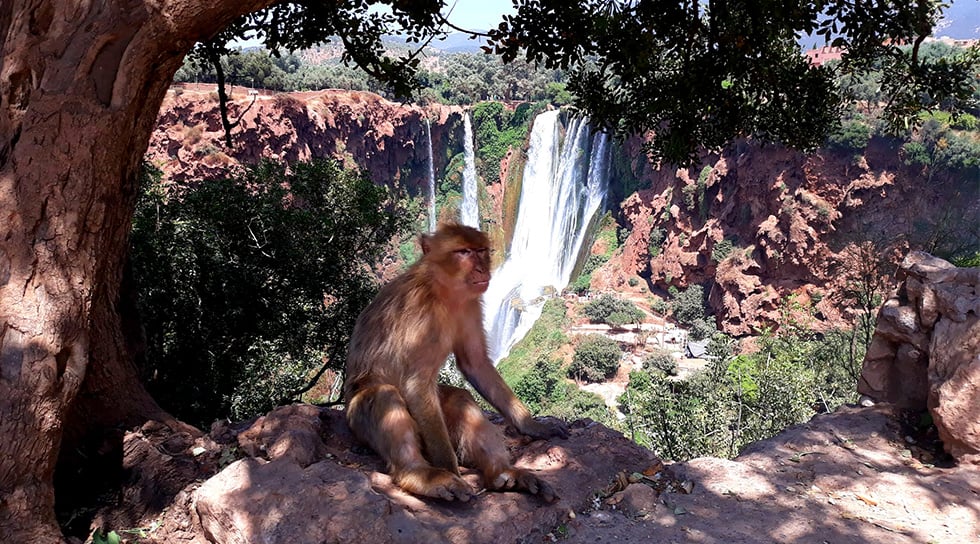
80 87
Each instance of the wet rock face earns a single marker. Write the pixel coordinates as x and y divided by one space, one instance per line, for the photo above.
926 350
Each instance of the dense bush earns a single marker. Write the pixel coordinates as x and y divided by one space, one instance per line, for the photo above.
247 288
596 359
542 385
583 282
538 378
612 310
689 305
851 135
701 328
541 342
722 249
661 361
735 401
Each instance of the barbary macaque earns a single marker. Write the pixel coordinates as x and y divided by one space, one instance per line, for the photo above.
423 429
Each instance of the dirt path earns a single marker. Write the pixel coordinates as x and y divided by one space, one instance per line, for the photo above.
843 478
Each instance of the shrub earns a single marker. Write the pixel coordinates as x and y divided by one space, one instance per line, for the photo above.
661 361
689 305
851 135
723 248
657 238
659 305
541 386
582 284
612 310
702 328
735 401
965 121
596 358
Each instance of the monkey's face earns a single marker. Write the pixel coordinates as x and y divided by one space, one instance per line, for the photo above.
474 266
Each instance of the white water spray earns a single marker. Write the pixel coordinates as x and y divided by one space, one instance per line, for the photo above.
432 179
564 186
469 212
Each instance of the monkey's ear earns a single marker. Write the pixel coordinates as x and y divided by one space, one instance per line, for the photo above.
425 240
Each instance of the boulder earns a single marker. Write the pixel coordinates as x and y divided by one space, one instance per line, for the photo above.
925 353
344 495
954 386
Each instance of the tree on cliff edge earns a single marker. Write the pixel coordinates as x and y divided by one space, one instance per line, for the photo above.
80 87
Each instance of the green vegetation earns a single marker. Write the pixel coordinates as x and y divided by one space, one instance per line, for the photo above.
938 144
247 288
738 400
596 359
852 135
932 137
538 378
689 305
722 249
669 67
606 237
689 308
657 238
969 261
458 78
544 339
661 361
612 310
497 130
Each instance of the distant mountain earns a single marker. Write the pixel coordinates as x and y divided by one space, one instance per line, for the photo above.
456 42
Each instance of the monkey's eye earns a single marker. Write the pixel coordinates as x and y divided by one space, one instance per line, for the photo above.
466 252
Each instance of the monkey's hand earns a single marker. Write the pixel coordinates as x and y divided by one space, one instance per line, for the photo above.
546 427
520 479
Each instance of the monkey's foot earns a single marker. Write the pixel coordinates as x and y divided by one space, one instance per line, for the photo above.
545 427
434 482
520 479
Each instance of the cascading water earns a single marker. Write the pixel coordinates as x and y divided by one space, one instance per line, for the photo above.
469 212
432 180
563 188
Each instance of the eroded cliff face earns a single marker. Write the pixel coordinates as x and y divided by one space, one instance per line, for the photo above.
385 139
757 225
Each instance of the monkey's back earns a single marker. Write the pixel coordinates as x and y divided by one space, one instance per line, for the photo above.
398 336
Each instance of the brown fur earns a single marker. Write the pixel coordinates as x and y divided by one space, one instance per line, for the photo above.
422 429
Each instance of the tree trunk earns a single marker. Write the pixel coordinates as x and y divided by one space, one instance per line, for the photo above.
80 87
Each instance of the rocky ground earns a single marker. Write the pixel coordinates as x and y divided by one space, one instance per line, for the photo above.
853 476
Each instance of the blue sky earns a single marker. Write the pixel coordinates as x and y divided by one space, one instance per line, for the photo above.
478 14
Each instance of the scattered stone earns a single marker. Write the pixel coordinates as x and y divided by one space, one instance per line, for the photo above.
637 500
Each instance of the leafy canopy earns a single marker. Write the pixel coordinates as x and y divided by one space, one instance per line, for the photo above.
703 73
695 73
248 285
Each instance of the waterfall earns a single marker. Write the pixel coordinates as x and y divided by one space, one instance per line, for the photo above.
564 186
469 212
432 179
